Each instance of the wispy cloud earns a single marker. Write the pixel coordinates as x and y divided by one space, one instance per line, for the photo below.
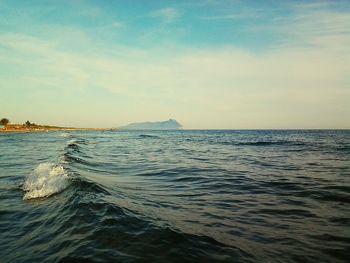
117 24
69 67
308 25
281 86
236 15
168 27
168 15
231 16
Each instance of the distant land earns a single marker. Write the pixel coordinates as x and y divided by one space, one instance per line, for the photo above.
170 124
31 127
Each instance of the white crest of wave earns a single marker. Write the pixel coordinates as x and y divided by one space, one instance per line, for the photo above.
72 141
46 179
65 134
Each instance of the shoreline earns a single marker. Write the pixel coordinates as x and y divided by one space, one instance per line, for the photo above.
31 130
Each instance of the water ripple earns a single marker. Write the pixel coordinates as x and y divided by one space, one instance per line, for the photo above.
175 196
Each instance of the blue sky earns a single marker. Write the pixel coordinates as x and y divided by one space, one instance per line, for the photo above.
208 64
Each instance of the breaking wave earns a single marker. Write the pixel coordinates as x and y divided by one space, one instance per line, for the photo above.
64 135
45 180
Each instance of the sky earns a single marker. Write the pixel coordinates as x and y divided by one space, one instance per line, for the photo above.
208 64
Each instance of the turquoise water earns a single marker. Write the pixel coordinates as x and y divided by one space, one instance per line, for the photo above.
175 196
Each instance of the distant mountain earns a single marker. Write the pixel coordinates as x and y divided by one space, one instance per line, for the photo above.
170 124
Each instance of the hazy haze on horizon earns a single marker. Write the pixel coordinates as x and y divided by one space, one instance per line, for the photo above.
207 64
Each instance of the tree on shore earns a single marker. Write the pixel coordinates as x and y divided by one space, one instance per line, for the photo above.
4 121
29 124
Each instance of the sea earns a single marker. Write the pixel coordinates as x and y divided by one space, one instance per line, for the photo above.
175 196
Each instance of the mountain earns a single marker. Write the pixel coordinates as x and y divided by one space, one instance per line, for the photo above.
170 124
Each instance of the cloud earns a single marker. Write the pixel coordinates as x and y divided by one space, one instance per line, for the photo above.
231 16
168 28
117 24
168 15
230 87
301 82
309 25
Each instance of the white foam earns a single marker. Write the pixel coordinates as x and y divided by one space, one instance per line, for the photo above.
72 141
46 179
65 134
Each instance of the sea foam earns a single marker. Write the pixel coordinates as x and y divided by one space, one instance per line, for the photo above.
72 141
45 180
64 135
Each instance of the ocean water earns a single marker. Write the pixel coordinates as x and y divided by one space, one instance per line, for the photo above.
175 196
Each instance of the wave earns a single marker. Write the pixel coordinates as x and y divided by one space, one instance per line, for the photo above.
266 143
148 136
89 186
76 141
65 134
45 180
74 145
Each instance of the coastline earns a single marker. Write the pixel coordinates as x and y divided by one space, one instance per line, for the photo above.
51 129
